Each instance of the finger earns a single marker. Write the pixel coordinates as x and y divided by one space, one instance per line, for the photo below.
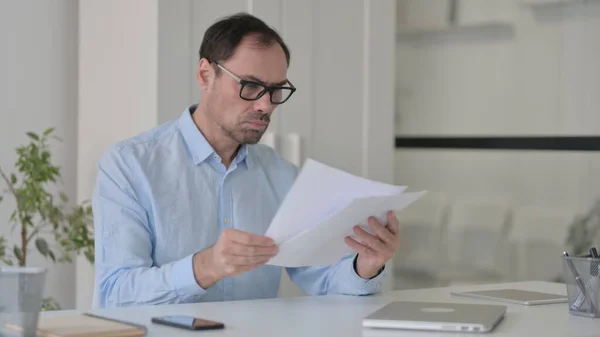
358 247
382 232
244 250
393 224
236 260
248 239
370 240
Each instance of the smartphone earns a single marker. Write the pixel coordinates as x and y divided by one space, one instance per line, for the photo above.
188 322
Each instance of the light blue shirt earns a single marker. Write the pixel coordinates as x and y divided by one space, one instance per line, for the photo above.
164 195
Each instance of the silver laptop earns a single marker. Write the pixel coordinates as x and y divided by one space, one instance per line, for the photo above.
436 316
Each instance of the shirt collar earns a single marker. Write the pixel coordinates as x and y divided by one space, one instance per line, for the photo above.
197 144
242 156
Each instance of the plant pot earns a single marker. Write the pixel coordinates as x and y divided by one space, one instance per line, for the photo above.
21 294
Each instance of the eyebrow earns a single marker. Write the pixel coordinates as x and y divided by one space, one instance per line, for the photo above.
256 79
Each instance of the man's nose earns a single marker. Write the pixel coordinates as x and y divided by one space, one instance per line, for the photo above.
264 104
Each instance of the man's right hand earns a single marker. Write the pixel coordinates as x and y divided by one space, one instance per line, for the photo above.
234 253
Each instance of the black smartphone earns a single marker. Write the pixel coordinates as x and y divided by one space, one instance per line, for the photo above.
188 322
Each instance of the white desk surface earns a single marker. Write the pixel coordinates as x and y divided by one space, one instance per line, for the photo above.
341 316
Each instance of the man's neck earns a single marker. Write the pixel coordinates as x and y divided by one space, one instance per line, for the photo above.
224 146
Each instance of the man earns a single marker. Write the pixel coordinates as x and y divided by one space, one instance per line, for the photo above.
180 211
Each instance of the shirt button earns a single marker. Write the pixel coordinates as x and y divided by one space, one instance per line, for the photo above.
106 234
226 220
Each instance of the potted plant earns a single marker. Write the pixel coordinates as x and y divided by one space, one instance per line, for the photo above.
42 210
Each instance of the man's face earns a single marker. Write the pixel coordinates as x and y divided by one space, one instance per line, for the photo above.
241 120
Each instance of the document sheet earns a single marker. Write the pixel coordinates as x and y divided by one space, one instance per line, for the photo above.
322 207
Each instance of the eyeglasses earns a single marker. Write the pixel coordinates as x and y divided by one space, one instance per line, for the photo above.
251 91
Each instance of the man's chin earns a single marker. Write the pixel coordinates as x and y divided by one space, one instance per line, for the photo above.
251 139
250 142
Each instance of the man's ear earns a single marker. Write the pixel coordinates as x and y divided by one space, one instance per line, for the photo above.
204 74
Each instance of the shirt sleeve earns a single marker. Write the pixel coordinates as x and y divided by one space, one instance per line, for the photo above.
125 272
340 278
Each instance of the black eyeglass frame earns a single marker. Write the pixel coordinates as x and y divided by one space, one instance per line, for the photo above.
243 83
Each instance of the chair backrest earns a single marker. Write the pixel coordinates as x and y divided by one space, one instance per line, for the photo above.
476 234
538 238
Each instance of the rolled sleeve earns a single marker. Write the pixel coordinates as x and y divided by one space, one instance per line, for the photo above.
183 279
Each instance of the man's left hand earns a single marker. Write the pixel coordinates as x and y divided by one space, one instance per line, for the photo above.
375 249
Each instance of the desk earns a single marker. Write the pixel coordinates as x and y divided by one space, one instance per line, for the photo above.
340 316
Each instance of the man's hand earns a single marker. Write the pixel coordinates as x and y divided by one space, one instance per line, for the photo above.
375 250
235 252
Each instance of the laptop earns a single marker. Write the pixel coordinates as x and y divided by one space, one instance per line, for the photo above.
436 316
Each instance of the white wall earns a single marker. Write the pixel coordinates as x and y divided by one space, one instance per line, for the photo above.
176 58
118 84
38 89
538 75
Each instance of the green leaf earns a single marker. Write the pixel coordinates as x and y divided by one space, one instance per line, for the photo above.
90 256
48 131
42 246
17 252
49 304
1 198
13 178
9 262
33 136
52 256
64 197
2 247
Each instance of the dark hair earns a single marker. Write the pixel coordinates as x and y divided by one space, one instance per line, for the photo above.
222 38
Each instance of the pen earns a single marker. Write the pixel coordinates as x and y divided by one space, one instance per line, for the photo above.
579 282
594 264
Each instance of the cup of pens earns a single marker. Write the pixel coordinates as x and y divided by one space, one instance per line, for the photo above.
583 283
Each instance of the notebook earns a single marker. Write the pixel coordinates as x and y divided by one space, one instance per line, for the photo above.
85 325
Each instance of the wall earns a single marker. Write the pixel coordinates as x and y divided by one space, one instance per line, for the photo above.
118 81
176 58
537 75
38 89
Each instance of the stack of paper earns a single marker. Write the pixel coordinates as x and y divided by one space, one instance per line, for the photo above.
322 207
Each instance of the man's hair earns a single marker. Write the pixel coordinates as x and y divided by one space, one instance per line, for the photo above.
222 38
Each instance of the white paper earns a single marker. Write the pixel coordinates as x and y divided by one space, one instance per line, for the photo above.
322 207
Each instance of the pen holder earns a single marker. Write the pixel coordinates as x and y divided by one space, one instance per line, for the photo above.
582 280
